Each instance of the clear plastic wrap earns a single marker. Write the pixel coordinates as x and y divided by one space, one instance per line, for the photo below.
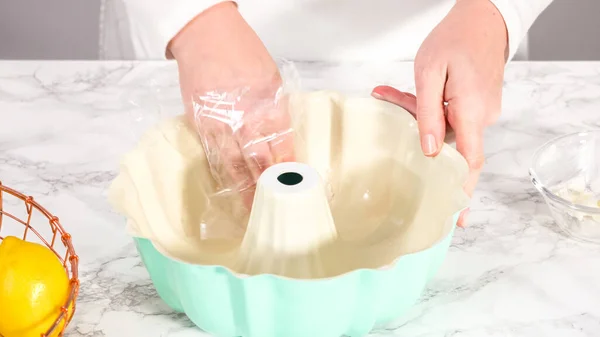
189 183
242 131
243 134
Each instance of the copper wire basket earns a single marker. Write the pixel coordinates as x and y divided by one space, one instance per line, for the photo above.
54 237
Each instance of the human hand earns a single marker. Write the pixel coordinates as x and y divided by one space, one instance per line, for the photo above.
460 63
231 90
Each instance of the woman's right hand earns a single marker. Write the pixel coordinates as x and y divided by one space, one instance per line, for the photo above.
231 90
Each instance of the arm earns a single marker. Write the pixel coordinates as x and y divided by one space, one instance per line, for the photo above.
154 23
518 16
230 85
461 63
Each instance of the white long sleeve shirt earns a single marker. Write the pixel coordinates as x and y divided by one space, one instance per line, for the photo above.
324 30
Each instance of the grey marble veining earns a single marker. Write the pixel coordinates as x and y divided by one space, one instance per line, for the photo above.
64 125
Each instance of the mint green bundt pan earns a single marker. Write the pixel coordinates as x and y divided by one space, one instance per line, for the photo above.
229 305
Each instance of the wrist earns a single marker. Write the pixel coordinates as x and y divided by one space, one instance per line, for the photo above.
486 15
211 21
225 53
501 26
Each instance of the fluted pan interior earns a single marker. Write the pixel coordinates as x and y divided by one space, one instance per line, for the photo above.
385 197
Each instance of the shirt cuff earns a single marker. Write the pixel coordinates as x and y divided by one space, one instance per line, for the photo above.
154 23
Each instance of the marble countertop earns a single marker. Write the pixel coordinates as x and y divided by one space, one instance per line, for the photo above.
64 125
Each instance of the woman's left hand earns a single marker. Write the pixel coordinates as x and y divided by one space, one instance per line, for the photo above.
460 63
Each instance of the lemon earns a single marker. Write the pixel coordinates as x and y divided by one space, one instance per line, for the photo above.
33 287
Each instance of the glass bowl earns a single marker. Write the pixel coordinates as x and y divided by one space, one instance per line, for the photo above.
566 171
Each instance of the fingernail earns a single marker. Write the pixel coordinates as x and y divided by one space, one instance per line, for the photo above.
281 159
429 145
376 95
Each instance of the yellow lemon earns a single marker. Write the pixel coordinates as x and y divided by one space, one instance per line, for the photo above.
33 287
